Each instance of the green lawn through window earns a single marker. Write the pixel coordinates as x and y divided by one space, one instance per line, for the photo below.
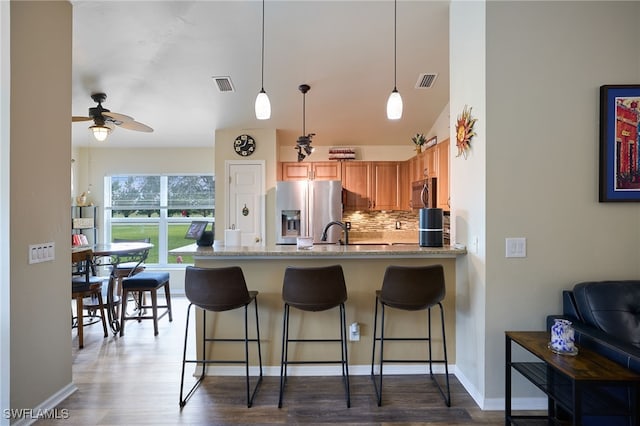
138 231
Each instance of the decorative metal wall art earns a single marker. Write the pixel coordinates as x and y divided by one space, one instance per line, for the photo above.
464 131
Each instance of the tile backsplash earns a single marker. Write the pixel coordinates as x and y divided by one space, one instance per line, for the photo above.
367 221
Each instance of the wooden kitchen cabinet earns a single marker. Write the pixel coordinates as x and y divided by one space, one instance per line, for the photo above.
442 155
387 185
374 185
432 162
317 170
356 182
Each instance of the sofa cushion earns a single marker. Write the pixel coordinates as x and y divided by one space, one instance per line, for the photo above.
611 306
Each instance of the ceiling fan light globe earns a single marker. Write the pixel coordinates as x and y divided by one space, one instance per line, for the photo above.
263 106
394 105
100 133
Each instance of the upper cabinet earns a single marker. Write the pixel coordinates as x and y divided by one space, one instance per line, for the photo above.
432 162
442 159
356 183
374 185
388 186
320 170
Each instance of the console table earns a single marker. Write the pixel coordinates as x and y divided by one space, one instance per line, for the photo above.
571 383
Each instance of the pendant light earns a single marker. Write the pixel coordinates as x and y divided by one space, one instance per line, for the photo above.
263 106
304 141
394 103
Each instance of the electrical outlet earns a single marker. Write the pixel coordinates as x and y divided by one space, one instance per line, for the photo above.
348 225
398 224
354 332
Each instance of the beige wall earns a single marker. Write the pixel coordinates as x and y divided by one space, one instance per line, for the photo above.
363 153
533 171
5 294
40 144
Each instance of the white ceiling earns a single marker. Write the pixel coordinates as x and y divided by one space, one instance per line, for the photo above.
155 61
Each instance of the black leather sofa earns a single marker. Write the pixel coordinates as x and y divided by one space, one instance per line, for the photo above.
606 319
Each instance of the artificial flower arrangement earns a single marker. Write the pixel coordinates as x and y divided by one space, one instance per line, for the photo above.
419 139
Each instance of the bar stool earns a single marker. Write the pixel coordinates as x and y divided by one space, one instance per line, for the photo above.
141 283
411 288
313 290
219 290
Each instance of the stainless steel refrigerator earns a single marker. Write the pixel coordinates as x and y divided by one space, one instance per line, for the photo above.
305 207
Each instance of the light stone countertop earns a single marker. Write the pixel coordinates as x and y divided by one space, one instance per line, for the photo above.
321 251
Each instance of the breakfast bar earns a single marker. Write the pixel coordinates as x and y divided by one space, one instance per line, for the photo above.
363 265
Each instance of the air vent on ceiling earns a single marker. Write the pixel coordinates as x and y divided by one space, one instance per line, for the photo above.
426 80
224 84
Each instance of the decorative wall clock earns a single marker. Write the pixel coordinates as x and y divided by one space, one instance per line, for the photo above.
464 131
244 145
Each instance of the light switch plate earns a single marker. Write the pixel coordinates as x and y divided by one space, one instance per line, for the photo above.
43 252
515 247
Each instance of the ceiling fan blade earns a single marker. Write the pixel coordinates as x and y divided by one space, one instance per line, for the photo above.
116 116
79 118
134 125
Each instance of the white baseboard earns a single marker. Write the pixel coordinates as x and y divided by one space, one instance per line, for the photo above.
47 410
497 404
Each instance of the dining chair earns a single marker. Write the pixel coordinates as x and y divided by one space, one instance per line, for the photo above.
85 285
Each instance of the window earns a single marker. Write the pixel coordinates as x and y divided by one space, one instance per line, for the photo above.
158 207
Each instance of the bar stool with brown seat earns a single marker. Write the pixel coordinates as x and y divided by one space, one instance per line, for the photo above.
410 288
140 284
219 290
84 284
314 289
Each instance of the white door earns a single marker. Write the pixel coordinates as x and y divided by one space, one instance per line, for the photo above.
245 200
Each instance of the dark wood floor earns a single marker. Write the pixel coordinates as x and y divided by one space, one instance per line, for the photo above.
135 380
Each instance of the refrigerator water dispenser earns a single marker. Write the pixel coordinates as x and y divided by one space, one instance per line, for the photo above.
291 223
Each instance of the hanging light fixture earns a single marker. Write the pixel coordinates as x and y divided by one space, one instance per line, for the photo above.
100 132
263 106
394 103
304 141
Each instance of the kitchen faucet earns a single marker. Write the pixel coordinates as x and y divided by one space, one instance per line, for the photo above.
340 224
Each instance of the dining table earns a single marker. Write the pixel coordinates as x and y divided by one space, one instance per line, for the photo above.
113 255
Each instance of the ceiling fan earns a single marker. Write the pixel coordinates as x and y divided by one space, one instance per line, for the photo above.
105 120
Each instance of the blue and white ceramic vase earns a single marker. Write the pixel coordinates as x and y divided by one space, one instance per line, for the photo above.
563 337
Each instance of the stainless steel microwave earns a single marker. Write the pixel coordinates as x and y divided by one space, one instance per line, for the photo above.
424 193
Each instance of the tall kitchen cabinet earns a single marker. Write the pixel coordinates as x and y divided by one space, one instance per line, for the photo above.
317 170
374 185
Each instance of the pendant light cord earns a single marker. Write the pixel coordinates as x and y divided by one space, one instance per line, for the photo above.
395 44
304 96
262 77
